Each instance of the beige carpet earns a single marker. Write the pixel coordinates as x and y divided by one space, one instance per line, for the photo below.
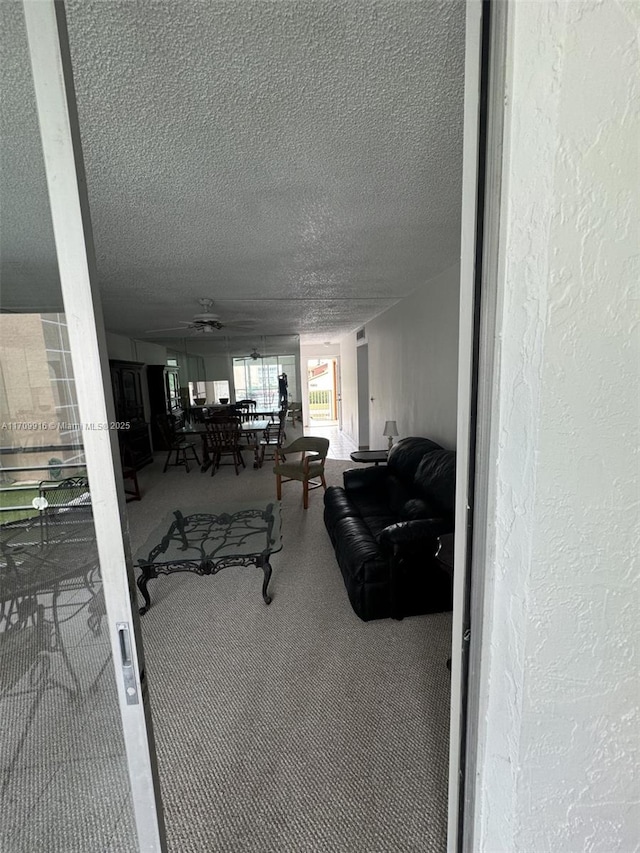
293 726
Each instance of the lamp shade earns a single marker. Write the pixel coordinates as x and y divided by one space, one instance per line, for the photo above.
390 429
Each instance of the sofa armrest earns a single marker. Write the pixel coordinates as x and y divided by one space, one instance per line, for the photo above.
412 532
365 478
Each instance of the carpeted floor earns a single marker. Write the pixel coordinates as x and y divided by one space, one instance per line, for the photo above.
293 726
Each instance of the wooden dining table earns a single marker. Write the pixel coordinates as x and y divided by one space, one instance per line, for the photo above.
254 429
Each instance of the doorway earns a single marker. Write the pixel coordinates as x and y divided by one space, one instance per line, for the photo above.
322 384
363 397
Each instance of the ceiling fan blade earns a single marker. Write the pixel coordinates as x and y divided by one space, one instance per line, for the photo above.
172 329
242 324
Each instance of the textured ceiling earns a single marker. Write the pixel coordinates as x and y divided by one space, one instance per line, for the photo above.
297 162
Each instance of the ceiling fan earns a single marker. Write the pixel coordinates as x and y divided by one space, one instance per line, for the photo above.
254 354
205 323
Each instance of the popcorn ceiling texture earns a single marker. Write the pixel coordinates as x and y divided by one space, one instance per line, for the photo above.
559 720
299 162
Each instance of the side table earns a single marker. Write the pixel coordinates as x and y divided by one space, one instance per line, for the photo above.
369 456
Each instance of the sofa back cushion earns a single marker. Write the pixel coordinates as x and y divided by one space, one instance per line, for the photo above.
417 508
405 457
435 480
399 491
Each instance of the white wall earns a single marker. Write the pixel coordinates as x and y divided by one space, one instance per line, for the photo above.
413 363
558 721
413 366
216 368
349 387
119 347
126 349
149 353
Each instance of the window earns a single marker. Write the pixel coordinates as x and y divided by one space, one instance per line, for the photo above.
257 379
212 392
197 391
221 389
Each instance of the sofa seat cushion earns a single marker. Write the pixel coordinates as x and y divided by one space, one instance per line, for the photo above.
370 506
377 523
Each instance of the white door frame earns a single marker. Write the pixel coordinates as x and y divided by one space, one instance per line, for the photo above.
485 64
55 99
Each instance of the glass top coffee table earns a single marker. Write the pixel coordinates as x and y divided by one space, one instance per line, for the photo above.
194 539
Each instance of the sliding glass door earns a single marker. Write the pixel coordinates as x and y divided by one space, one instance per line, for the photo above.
258 379
76 751
64 782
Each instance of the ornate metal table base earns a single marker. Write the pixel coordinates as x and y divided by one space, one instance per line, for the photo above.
208 568
246 537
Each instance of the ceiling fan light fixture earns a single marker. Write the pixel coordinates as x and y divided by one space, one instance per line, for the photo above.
205 323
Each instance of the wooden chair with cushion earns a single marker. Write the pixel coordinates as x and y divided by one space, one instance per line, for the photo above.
308 468
177 444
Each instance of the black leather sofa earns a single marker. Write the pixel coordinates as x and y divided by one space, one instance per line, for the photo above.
384 526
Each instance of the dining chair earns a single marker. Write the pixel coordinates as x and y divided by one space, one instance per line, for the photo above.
272 439
227 417
281 417
295 412
223 440
247 411
177 444
308 469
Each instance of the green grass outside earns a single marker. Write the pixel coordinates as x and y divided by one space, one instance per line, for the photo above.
17 496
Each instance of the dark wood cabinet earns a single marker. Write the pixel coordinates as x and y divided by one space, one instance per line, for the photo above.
164 398
126 381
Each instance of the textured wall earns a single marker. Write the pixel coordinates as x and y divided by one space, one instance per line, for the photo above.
559 706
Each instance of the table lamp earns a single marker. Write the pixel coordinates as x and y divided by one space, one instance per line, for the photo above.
390 430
